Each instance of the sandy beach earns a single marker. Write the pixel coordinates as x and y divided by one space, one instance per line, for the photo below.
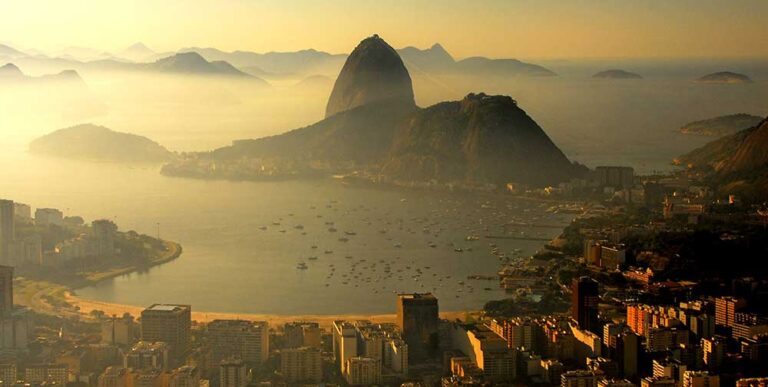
86 306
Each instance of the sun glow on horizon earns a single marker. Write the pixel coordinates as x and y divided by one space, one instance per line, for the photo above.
519 29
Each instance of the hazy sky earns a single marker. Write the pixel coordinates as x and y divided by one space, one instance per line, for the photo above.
495 28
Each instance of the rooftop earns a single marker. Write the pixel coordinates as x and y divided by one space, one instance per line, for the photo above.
167 307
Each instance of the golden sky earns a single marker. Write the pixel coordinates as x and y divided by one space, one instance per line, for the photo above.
494 28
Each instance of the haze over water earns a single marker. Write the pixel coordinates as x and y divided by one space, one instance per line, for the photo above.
231 265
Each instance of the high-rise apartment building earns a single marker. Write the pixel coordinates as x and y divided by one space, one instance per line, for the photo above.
119 330
170 324
240 339
725 310
147 355
301 365
233 373
585 303
713 350
302 334
46 373
184 376
8 373
48 216
578 378
6 291
700 379
7 230
344 343
363 371
418 317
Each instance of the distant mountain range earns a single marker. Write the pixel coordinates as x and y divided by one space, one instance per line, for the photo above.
432 60
273 65
737 163
92 142
188 63
373 129
10 52
437 60
10 73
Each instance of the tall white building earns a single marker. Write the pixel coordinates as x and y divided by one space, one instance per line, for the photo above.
344 343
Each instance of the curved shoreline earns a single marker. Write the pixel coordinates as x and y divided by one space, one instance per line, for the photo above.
84 307
173 251
109 308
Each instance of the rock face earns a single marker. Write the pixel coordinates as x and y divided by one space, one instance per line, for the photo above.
724 77
480 139
737 163
750 154
721 125
373 73
617 74
92 142
732 152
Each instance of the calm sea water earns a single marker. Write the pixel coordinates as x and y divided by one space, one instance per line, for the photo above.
243 241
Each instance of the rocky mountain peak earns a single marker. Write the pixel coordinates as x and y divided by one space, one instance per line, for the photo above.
373 73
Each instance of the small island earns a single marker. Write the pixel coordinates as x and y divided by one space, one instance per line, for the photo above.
721 125
725 77
617 74
93 142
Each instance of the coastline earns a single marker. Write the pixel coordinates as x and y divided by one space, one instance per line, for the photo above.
62 300
173 251
52 297
87 306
